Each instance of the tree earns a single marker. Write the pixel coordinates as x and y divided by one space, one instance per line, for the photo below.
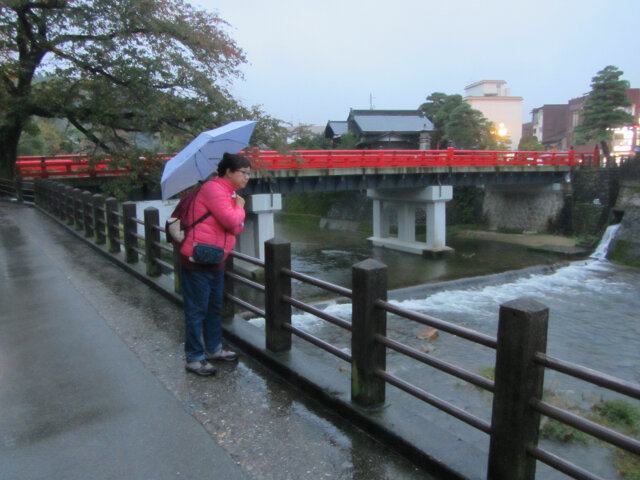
467 128
112 68
438 108
530 143
304 139
603 109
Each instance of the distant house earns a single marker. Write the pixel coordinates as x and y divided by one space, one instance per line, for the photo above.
334 130
385 129
550 125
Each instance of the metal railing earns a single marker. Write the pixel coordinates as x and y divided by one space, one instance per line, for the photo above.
520 345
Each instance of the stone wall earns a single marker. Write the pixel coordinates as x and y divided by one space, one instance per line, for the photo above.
522 208
592 197
625 247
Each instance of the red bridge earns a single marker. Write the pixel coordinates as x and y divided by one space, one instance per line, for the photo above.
83 166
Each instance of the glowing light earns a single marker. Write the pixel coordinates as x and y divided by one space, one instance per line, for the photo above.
502 130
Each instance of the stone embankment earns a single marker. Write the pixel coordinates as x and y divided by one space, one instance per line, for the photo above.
625 247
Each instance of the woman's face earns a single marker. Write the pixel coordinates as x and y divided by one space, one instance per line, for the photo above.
239 178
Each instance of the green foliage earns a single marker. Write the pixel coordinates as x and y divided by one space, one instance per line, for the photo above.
438 108
488 372
467 127
627 465
619 413
603 108
317 204
457 124
304 139
348 141
553 430
530 144
114 68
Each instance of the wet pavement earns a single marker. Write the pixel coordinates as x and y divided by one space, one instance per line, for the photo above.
92 383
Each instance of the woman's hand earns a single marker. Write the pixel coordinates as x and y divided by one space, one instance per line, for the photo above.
239 201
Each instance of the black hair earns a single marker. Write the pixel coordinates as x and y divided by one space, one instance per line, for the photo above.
233 162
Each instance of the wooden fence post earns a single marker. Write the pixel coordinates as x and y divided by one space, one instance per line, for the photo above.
99 225
151 241
69 205
130 227
522 331
369 283
277 255
19 194
113 225
87 210
77 208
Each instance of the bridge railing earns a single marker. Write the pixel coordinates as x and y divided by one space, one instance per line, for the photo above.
83 166
520 346
323 159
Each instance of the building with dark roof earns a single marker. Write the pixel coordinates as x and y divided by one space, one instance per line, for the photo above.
385 129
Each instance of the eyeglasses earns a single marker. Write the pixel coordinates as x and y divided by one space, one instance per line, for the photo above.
245 173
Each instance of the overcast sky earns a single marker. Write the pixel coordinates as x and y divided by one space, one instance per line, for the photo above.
311 61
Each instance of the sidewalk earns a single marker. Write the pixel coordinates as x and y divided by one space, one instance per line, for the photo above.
92 383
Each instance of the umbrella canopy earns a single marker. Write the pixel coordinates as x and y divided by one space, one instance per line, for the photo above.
200 158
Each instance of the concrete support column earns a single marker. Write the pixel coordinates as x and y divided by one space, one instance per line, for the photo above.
380 219
436 215
407 222
405 202
259 225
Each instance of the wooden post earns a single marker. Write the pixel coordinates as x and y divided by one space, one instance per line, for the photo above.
368 285
277 255
99 225
522 331
77 208
151 241
87 210
113 225
130 228
19 194
69 205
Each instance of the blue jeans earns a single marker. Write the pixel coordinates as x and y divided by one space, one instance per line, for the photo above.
202 303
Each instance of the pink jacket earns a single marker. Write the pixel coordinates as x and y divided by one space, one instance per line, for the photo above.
225 222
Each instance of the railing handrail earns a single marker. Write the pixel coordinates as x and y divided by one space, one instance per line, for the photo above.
79 165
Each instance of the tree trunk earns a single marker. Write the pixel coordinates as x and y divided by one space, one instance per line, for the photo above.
9 138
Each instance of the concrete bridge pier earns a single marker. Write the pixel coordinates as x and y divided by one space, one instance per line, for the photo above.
405 202
259 226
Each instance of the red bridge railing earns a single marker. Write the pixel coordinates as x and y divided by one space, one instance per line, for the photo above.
81 166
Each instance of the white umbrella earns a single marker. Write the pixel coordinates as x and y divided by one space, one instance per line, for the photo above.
200 158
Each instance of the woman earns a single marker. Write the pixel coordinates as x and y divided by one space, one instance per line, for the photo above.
202 284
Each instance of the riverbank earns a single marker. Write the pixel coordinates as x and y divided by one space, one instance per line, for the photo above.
534 241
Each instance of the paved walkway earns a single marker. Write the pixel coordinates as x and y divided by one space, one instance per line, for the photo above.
92 383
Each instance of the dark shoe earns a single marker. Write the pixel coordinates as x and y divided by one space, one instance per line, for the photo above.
223 355
202 368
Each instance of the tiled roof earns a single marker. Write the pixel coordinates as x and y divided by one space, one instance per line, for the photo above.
381 121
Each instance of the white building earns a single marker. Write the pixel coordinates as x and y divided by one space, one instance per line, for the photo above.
494 100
